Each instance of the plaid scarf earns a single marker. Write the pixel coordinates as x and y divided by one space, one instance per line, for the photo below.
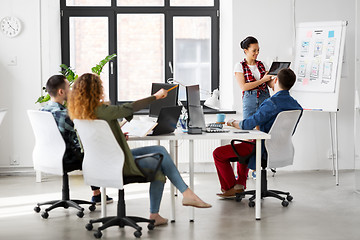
249 77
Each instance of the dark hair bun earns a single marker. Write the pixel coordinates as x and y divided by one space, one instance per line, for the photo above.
244 44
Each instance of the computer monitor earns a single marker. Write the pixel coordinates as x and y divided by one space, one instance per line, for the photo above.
193 95
195 111
169 101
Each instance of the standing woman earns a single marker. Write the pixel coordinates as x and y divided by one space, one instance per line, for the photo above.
252 77
86 101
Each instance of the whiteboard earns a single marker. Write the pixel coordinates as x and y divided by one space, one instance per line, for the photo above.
318 62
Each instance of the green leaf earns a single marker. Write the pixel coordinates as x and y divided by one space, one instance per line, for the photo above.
43 99
99 67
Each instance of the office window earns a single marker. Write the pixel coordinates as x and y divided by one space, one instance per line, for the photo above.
88 2
140 50
140 2
191 3
155 40
192 55
87 48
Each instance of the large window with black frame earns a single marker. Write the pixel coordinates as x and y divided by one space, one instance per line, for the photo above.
155 41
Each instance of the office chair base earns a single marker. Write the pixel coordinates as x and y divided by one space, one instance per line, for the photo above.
65 204
264 194
121 222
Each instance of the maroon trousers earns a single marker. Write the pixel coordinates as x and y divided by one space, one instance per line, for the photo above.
223 156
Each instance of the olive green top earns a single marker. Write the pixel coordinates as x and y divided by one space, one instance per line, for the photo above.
111 114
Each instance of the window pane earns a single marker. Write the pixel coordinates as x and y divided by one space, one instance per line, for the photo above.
140 54
185 3
88 2
89 45
140 2
192 53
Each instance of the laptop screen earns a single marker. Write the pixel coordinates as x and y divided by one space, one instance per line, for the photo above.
195 111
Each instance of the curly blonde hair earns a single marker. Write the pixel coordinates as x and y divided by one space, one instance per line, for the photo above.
86 95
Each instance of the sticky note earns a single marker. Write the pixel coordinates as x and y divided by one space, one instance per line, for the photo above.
309 34
331 34
305 81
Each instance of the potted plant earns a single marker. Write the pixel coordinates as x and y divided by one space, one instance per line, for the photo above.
71 76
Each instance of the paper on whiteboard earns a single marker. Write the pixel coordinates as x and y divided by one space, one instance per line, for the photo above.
317 58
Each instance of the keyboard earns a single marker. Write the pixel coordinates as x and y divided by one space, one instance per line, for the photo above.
214 125
216 130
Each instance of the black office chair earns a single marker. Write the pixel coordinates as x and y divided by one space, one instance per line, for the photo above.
48 157
280 153
103 165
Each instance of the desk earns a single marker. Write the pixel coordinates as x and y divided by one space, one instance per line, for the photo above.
179 135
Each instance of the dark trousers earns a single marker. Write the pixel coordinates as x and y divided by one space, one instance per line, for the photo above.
72 160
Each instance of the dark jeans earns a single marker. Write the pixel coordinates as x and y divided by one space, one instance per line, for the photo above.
72 160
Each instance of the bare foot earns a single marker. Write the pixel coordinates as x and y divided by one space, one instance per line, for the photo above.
159 220
191 199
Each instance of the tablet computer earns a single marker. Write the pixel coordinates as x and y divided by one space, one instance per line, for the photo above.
277 66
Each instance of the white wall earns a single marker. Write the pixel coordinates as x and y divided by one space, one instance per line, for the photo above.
20 85
272 23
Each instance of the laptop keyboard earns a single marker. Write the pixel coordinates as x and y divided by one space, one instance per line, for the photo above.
216 130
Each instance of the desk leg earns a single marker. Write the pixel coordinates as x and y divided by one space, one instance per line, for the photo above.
38 176
172 193
191 176
258 180
103 202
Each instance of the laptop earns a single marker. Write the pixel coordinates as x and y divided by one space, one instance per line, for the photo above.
167 120
277 66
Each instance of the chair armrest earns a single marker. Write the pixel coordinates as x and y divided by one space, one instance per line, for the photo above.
243 159
149 164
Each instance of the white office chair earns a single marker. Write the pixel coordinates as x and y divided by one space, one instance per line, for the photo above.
280 153
103 166
48 157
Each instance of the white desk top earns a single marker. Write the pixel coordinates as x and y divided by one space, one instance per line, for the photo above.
179 135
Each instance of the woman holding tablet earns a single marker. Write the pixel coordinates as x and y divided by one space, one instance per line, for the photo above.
252 77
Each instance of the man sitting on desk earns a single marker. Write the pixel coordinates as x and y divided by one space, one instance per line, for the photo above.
58 88
263 117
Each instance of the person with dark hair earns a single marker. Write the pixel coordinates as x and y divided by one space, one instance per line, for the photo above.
263 117
252 77
58 88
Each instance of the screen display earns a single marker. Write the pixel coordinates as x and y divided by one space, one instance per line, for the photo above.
277 66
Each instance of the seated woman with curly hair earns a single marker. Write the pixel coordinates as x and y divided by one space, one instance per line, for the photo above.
86 101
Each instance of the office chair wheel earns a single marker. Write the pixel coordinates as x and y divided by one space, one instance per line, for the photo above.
150 226
37 209
285 203
251 204
238 197
80 214
92 208
98 234
289 198
45 215
89 226
137 234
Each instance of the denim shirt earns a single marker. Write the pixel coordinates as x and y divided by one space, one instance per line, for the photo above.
266 115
